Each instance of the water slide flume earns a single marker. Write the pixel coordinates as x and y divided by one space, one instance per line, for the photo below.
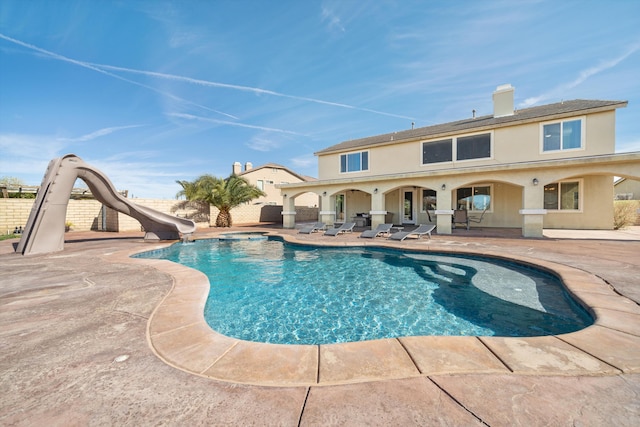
45 228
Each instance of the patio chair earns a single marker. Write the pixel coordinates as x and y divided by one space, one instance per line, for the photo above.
478 220
418 232
380 229
312 228
460 216
347 227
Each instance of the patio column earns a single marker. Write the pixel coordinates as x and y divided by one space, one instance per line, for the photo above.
533 211
288 212
327 209
443 211
377 212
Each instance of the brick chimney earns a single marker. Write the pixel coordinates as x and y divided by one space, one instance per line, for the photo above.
503 101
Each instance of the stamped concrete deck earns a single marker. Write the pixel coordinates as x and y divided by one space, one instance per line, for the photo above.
73 327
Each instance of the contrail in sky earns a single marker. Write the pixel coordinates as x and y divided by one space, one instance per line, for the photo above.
100 70
244 89
582 77
225 122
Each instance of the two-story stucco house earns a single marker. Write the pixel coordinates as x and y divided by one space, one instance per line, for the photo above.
267 176
550 166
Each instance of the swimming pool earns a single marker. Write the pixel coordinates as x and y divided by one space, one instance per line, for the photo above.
271 291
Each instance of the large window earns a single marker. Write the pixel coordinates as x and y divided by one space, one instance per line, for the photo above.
466 148
437 151
476 198
354 162
474 147
562 196
565 135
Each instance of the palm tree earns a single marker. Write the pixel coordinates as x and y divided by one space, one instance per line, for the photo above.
229 193
224 194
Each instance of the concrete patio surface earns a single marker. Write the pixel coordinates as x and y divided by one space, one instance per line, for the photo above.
82 330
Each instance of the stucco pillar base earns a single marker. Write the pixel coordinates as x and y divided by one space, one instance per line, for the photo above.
328 217
532 221
377 218
443 221
288 219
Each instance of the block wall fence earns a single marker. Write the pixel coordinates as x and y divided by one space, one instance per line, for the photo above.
88 215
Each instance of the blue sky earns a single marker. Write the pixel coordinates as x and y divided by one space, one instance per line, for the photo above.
151 92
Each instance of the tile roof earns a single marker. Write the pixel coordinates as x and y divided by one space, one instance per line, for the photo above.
484 122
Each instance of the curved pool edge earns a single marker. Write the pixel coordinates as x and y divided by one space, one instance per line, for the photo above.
179 335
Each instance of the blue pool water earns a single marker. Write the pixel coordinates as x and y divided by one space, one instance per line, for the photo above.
270 291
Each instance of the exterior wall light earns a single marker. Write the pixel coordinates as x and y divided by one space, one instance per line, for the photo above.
324 193
375 191
444 187
535 181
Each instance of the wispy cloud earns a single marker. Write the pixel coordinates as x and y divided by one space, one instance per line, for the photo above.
332 20
263 144
304 162
228 123
583 76
97 134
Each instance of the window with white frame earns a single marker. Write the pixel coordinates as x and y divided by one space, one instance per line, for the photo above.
562 196
354 162
562 135
475 198
260 184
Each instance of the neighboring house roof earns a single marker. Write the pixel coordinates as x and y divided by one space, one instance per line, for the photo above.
277 166
533 114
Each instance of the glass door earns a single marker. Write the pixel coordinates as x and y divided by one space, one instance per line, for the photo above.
408 208
340 208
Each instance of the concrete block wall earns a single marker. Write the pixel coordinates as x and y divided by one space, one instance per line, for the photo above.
87 214
84 214
14 213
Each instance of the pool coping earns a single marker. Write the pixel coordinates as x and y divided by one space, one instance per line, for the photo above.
178 334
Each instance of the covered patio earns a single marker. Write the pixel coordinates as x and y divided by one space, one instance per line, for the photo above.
513 195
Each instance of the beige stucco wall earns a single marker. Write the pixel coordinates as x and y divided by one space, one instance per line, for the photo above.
275 176
513 144
596 213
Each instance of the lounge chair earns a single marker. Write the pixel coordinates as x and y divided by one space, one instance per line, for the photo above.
347 227
460 216
380 229
418 232
312 228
